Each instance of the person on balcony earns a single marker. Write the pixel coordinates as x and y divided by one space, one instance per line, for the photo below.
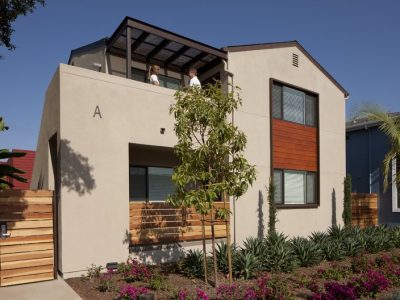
194 81
154 71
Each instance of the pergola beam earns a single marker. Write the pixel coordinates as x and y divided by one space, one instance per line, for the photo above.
176 55
157 49
194 60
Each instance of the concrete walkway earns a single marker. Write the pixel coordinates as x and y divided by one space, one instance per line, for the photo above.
55 290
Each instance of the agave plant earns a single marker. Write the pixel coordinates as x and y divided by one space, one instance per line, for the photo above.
280 256
333 250
395 236
352 246
254 245
318 237
245 265
308 253
192 264
222 256
337 232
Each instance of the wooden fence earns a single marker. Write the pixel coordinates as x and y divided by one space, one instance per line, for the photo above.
27 255
152 223
364 210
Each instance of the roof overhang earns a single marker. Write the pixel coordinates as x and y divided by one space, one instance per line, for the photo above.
240 48
154 45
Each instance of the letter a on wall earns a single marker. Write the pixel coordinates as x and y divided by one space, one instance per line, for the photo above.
97 112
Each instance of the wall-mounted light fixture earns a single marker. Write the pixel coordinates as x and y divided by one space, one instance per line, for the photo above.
162 130
97 65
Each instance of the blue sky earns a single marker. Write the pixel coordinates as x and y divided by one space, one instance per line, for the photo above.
357 41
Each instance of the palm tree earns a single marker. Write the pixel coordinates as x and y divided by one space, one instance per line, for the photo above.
389 124
6 171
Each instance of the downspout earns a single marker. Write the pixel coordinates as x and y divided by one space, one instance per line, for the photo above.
369 158
105 60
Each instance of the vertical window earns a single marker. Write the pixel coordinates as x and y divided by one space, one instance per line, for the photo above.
295 187
137 184
150 183
278 186
293 105
160 183
277 101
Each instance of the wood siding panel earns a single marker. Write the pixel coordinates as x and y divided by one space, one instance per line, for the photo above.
295 146
153 223
364 210
28 254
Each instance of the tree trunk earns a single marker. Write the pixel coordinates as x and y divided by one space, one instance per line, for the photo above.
228 242
203 232
213 248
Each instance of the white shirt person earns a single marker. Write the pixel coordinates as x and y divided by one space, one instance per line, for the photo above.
194 81
154 71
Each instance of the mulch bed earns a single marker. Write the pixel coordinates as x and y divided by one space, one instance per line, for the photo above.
295 281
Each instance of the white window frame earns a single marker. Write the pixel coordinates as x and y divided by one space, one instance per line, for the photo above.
395 194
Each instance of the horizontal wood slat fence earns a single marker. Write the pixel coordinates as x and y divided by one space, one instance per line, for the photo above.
28 254
152 223
364 210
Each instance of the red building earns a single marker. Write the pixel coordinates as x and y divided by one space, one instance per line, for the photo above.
24 163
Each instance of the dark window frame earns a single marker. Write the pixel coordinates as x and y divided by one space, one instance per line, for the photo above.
305 91
317 125
316 185
146 167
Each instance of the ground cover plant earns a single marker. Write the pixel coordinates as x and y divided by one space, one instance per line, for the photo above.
274 267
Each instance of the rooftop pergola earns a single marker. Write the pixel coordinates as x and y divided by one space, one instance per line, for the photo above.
152 45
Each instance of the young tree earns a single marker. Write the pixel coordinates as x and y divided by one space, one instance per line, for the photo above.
347 202
272 208
9 11
210 149
390 125
7 171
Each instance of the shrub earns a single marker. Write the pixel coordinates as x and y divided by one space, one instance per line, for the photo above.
335 290
93 271
307 252
130 292
337 232
335 272
263 289
136 271
183 294
279 289
228 292
158 282
192 264
250 294
245 265
318 237
352 246
369 284
360 264
272 211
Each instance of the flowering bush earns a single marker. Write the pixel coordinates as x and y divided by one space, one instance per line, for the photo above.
130 292
228 292
201 295
262 286
369 284
136 271
105 282
335 290
250 294
183 294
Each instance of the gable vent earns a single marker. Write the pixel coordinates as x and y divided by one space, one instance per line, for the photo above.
295 60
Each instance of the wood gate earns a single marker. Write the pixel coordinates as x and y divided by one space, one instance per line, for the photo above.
27 237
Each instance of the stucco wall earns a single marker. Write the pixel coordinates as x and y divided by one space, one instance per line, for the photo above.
252 72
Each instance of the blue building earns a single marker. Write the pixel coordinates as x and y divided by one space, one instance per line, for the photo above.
366 147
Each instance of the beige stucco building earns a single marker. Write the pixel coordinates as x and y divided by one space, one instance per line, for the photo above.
105 142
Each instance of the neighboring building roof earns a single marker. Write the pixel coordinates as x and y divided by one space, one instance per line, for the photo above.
95 45
24 163
365 123
262 46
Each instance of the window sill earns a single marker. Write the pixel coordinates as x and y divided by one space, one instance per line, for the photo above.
296 206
